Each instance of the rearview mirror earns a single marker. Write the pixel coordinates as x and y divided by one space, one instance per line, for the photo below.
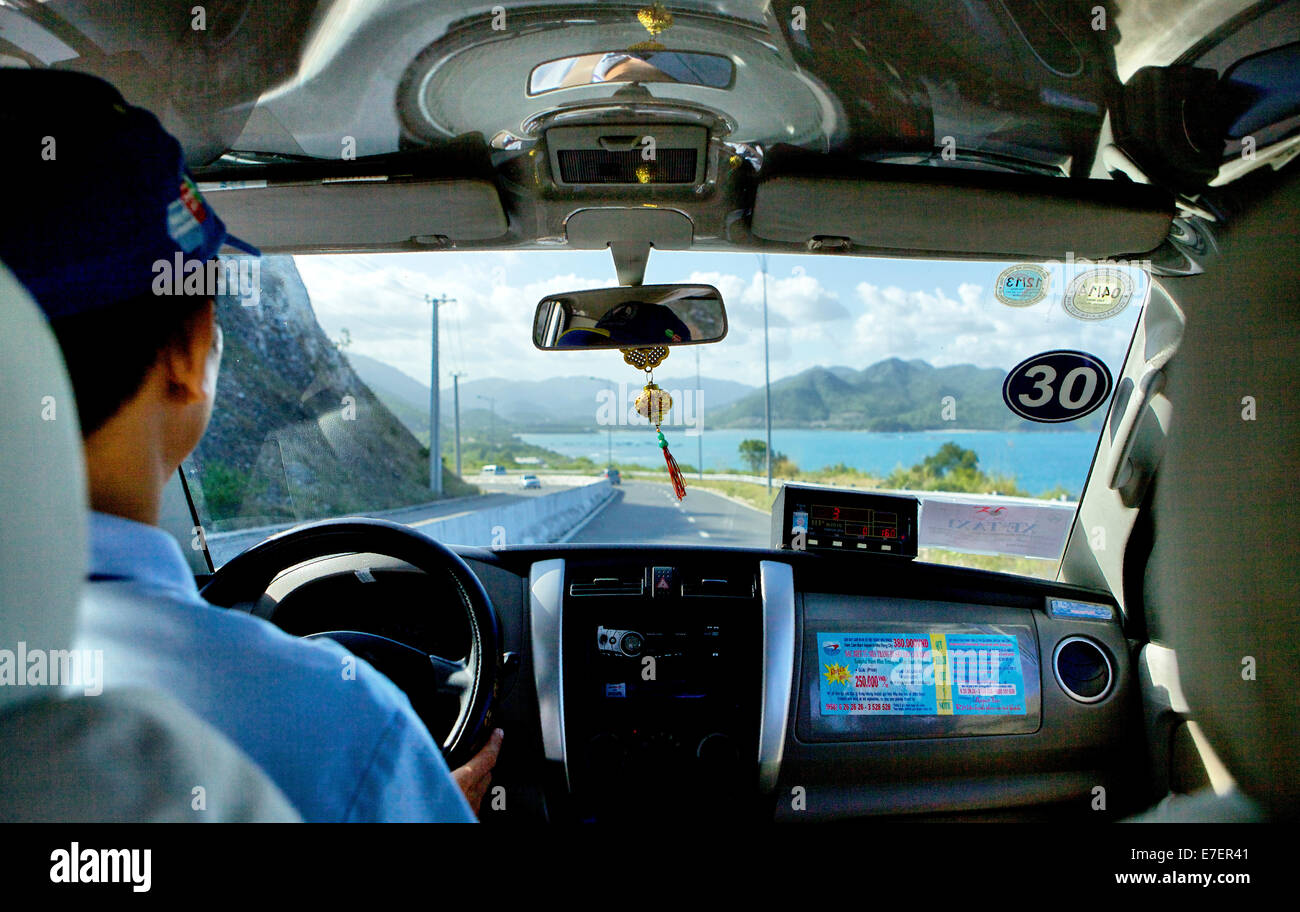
680 67
630 316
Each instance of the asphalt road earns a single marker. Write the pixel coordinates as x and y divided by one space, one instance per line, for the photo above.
648 512
641 511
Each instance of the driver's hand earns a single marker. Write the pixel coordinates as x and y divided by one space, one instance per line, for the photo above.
476 775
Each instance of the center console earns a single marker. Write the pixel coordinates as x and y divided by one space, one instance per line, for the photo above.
661 688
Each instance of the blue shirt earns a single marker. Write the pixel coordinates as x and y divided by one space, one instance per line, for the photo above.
335 735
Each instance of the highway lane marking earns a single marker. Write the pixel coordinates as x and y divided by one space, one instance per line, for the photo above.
703 534
425 522
690 519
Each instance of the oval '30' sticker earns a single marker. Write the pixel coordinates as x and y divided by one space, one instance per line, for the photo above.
1023 285
1057 386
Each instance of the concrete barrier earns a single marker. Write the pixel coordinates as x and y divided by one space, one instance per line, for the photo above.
526 521
530 521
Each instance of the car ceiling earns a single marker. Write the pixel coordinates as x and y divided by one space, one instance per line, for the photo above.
1021 87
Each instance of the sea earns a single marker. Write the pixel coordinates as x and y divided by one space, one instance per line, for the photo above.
1039 460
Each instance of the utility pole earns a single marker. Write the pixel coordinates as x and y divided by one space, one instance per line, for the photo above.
455 398
767 377
435 442
492 405
699 418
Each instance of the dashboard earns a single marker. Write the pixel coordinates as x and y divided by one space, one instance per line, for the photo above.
686 682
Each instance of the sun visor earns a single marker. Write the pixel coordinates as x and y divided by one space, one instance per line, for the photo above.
928 211
302 218
425 199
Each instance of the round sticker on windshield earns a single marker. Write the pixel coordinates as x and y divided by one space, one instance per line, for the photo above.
1020 286
1057 386
1098 294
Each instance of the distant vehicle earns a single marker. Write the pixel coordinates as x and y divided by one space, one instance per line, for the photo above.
493 470
612 475
529 481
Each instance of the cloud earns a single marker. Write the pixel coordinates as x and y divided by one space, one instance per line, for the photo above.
834 311
974 328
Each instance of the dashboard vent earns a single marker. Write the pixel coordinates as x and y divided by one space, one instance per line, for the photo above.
608 585
1082 669
716 585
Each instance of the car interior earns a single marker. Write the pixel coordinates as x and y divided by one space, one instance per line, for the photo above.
1155 677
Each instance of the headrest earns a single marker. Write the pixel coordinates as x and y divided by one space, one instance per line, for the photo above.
43 503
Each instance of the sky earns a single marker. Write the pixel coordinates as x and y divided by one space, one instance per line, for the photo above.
822 310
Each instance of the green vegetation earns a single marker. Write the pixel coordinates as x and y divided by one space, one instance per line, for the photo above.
1002 563
754 454
224 489
953 468
755 495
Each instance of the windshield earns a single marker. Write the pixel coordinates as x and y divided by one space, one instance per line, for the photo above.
876 374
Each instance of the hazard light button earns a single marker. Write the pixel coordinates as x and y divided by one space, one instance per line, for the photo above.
662 582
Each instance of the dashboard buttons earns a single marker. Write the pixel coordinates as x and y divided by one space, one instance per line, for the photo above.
620 642
662 582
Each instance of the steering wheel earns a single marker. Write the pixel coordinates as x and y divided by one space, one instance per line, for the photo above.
243 580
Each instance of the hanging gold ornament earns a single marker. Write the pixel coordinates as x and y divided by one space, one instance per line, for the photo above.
655 18
654 403
645 358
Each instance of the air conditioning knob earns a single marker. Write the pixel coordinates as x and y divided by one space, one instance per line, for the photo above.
717 751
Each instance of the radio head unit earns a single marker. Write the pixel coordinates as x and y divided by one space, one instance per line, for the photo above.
830 519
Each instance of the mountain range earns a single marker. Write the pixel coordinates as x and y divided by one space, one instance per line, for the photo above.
551 404
888 396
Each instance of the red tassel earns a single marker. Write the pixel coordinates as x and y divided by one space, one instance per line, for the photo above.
679 483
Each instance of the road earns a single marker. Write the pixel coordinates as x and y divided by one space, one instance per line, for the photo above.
648 512
641 511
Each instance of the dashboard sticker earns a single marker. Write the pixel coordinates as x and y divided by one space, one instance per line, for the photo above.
1023 285
1087 610
1098 294
919 674
991 527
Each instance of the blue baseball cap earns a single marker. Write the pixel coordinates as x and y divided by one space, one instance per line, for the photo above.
107 196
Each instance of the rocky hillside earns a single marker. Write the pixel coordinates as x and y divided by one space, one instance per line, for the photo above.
295 434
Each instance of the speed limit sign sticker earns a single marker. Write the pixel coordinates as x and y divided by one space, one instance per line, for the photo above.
1057 386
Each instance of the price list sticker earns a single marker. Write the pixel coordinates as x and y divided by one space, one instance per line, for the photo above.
919 674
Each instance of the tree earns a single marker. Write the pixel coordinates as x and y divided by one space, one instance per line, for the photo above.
754 454
951 456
